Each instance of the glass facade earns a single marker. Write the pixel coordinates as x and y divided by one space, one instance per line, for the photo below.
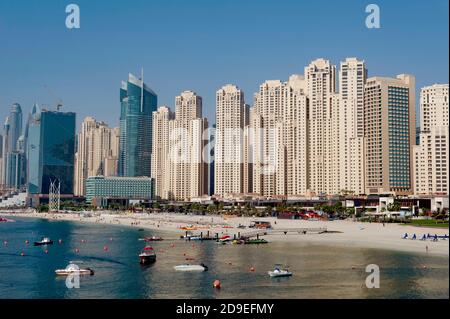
138 102
100 187
399 135
51 150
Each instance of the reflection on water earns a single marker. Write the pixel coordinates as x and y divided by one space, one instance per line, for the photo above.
319 271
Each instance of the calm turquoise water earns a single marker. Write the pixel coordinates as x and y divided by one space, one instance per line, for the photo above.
319 271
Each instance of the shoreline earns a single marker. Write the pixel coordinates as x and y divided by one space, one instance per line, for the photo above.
341 233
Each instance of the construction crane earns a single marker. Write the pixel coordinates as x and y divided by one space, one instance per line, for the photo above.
59 102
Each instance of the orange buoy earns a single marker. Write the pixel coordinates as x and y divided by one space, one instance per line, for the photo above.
77 250
217 284
252 269
105 248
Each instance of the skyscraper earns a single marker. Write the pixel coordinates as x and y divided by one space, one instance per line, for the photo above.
160 151
138 102
179 150
389 116
12 170
352 78
97 152
231 118
267 121
431 168
51 150
188 170
323 112
279 138
295 136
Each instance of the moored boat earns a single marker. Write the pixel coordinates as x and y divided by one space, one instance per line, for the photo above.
187 267
74 269
280 272
147 256
43 242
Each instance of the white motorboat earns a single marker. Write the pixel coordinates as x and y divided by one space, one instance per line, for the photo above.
187 267
74 269
279 272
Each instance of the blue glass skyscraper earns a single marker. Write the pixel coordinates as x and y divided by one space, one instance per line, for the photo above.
138 102
51 150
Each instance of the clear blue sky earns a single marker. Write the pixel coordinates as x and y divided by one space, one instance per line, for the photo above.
201 45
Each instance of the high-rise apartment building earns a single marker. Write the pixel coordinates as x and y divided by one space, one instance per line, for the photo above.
138 102
267 121
279 130
97 152
389 116
231 119
323 112
160 151
352 78
179 150
431 168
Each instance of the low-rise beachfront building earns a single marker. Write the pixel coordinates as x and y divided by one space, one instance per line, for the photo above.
100 189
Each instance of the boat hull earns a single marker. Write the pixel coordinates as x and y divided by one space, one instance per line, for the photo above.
43 244
279 274
146 260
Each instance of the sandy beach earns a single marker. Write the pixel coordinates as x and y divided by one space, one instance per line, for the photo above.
344 232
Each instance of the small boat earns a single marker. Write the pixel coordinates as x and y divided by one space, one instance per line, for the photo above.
44 241
187 267
194 238
255 241
5 220
279 272
74 269
147 256
225 238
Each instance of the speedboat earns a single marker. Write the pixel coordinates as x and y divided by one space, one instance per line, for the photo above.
44 241
279 272
74 269
187 267
147 256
